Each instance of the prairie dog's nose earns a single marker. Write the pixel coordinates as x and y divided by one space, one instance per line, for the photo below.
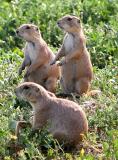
17 31
58 23
15 91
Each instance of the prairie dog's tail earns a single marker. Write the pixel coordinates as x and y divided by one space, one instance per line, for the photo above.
94 93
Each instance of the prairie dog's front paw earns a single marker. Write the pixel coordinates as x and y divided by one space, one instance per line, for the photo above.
61 63
53 62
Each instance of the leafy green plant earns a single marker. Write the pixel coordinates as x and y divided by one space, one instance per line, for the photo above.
99 20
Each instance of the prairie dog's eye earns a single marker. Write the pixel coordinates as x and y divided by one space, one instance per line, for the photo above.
26 87
69 19
27 27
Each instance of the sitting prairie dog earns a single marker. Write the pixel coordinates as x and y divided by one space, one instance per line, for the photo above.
37 58
76 66
67 121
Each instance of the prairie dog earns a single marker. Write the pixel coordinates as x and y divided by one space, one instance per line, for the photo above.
37 58
67 121
76 65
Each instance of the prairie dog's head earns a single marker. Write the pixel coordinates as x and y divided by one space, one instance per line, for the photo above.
30 92
69 23
28 31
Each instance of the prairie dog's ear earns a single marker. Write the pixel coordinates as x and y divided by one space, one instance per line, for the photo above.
37 29
78 20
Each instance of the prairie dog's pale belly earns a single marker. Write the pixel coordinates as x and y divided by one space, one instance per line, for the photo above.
31 51
68 43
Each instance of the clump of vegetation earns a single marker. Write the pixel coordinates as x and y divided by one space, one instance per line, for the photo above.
101 28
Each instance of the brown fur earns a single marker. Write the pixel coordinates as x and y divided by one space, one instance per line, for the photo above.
76 66
37 58
67 121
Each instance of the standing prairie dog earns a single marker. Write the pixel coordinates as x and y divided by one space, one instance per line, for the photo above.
67 121
37 58
76 66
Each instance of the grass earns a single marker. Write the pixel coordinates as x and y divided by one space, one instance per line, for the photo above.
101 29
